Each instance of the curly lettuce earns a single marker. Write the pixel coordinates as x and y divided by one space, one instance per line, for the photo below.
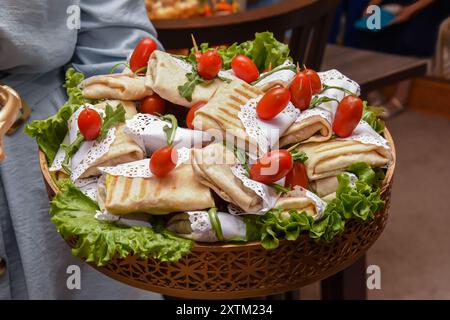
359 201
72 212
371 116
264 50
49 133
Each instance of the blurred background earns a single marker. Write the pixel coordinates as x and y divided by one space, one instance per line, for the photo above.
399 52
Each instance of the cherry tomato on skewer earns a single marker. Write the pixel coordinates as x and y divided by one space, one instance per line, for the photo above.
316 84
244 68
209 64
163 161
89 123
191 114
141 54
153 104
348 115
272 103
297 176
272 166
301 92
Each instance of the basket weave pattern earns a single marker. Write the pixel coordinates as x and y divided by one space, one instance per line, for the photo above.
238 271
231 271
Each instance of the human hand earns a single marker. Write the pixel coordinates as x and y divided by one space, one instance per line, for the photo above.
408 11
405 14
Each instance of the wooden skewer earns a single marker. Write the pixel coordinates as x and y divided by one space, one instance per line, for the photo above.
194 43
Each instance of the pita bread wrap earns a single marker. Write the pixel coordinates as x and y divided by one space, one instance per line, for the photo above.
94 154
175 192
326 159
121 86
313 125
166 73
301 199
221 112
212 167
326 188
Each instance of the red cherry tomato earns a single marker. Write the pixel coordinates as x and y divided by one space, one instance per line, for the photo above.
272 103
153 104
244 68
272 167
141 54
301 92
209 64
163 161
297 176
191 114
348 115
316 84
89 123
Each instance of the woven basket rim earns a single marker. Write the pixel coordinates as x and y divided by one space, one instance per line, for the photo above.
226 246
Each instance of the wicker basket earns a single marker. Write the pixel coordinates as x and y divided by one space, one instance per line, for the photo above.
230 271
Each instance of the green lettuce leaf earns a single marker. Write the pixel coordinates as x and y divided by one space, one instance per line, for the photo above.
371 116
73 214
264 50
358 202
49 133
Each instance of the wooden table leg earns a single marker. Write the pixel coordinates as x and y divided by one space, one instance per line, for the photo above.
349 284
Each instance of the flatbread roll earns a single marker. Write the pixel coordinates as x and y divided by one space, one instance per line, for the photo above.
300 199
311 129
123 149
221 112
326 159
121 86
212 167
176 192
166 73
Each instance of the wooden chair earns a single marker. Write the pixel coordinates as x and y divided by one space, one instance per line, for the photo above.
309 20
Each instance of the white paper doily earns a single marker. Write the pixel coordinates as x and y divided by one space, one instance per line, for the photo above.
201 226
147 130
88 186
233 227
267 194
364 133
